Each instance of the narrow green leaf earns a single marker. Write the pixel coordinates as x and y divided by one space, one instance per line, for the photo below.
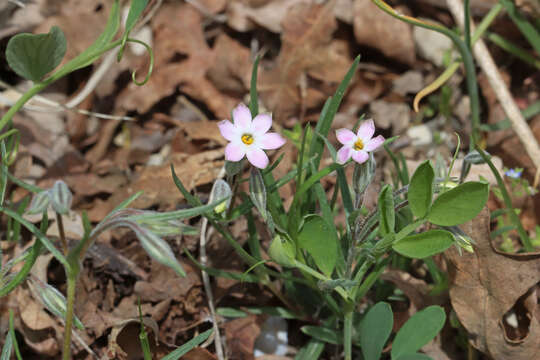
425 244
136 9
327 335
420 329
318 239
253 97
273 311
179 214
527 29
192 200
325 122
311 351
12 334
92 52
8 347
44 240
421 189
184 349
459 204
33 56
374 330
387 218
231 312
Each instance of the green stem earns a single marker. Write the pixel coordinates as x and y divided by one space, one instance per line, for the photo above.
20 103
529 247
71 286
467 25
347 334
468 62
320 276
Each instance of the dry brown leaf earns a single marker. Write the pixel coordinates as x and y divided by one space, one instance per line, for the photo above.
71 14
307 50
373 27
487 286
241 335
38 328
199 354
162 284
245 15
233 70
182 59
158 186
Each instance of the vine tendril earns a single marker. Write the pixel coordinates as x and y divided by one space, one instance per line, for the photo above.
150 67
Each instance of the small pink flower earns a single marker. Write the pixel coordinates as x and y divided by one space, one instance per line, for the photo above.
357 146
249 138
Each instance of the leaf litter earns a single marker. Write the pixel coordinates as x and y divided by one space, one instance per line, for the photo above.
204 54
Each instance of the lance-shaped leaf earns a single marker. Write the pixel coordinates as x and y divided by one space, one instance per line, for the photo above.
425 244
387 216
52 299
257 191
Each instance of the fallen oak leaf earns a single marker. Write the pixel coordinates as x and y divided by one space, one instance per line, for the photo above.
486 287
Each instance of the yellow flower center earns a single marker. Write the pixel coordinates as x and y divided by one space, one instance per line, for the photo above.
358 145
247 139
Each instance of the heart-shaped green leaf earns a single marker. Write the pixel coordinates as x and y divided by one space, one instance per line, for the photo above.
460 204
33 56
318 239
421 189
425 244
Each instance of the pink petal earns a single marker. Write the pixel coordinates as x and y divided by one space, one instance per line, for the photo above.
261 124
242 117
270 141
360 156
344 154
374 143
257 158
227 129
366 130
345 136
234 152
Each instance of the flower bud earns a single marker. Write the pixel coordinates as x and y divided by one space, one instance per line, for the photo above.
282 252
474 158
52 299
463 240
363 175
257 192
221 190
39 202
61 197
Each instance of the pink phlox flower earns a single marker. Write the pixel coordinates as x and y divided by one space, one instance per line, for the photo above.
249 137
358 146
